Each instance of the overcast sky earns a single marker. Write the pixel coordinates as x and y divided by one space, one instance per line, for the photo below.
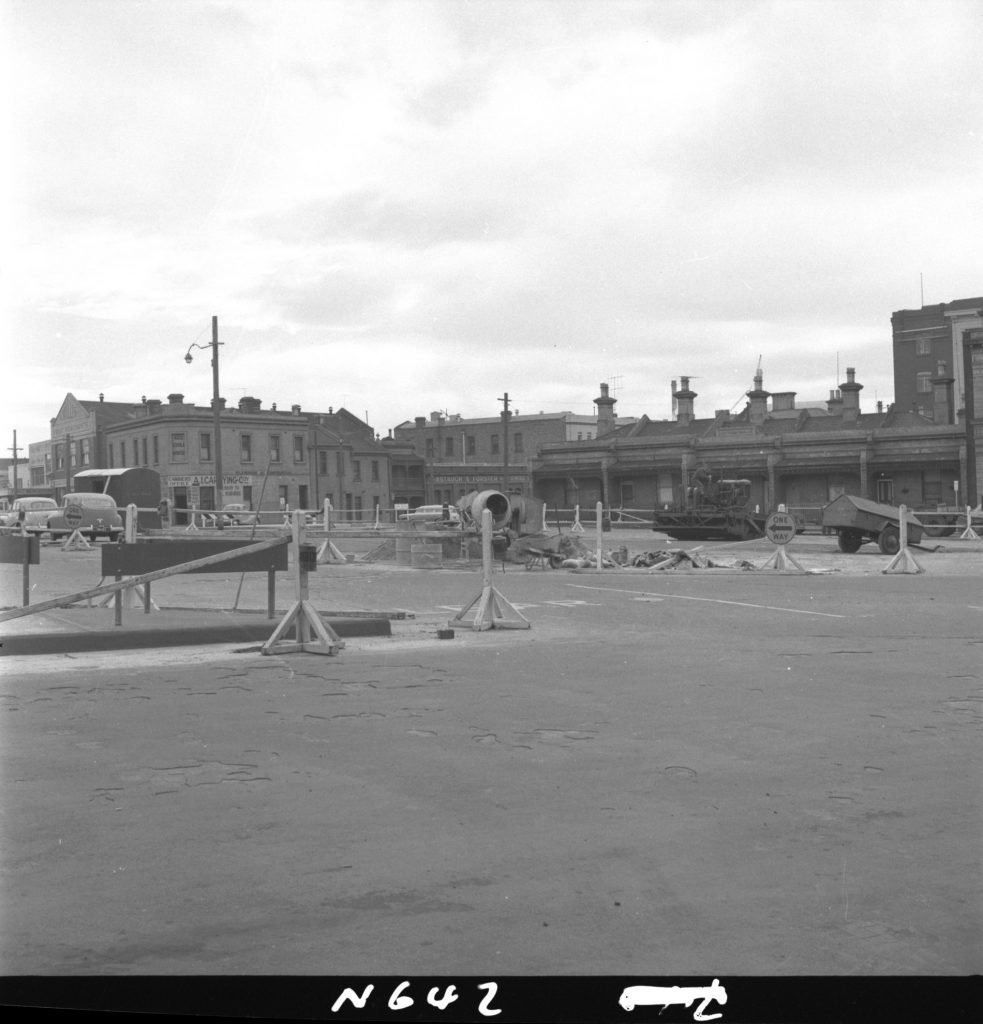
413 206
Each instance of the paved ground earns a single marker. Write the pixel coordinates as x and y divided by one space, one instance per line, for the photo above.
733 773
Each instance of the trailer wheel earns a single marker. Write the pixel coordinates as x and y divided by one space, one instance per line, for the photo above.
850 541
889 541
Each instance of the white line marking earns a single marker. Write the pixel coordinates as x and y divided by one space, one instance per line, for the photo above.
712 600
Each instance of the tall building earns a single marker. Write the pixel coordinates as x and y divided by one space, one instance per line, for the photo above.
928 345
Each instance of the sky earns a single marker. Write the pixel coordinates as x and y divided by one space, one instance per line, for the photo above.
409 206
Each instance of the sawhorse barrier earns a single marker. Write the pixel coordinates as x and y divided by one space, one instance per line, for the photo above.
147 557
311 634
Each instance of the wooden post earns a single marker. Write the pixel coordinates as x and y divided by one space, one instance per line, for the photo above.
27 562
903 561
600 528
270 594
969 533
302 616
130 533
118 603
493 610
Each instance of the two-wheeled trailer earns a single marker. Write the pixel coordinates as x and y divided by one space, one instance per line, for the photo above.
857 520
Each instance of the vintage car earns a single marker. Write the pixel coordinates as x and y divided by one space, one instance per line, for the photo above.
434 514
99 516
35 515
239 514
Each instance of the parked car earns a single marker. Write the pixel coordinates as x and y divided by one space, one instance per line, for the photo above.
434 514
36 512
99 516
238 514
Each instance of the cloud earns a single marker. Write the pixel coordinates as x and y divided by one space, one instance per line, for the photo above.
443 201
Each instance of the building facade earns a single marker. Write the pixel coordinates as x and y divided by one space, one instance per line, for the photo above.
78 438
801 457
927 343
271 459
461 455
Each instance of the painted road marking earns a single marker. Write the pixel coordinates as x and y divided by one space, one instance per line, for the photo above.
711 600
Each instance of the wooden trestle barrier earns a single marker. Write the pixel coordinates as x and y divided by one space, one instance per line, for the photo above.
302 617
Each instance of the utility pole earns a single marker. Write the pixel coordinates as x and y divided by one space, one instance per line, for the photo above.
218 427
505 444
15 450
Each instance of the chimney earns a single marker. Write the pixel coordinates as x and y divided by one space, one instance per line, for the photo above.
782 401
606 421
175 399
295 409
834 401
249 404
850 395
102 397
153 406
684 402
758 400
880 407
943 411
435 417
221 403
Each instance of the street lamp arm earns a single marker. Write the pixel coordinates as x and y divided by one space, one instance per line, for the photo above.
188 356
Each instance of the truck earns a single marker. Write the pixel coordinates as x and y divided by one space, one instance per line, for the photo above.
712 508
857 520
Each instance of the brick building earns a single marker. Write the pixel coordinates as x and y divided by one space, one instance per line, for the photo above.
460 455
270 458
800 456
928 343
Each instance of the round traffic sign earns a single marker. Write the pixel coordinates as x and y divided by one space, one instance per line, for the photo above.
780 527
73 516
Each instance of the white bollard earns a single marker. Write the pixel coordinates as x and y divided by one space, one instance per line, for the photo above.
130 533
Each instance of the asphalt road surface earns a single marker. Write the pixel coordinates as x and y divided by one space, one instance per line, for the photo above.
665 774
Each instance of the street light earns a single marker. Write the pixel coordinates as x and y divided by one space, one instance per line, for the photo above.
215 413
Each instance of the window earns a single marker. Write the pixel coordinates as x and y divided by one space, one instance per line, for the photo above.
375 471
518 443
471 445
109 454
429 448
924 382
274 447
86 451
357 471
322 463
284 495
59 457
205 447
136 453
339 458
156 449
449 447
302 495
179 450
298 447
246 447
358 507
923 346
494 444
143 450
